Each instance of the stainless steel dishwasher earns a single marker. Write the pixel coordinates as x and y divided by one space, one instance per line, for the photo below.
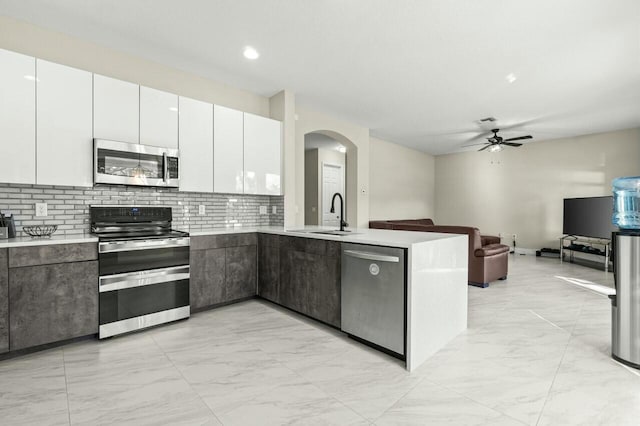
373 295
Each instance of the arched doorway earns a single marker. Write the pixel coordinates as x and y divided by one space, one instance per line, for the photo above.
330 166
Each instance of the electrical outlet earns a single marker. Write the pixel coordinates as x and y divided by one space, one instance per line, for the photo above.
263 209
274 210
201 210
41 209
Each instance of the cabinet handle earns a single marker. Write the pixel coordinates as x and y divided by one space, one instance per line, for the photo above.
371 256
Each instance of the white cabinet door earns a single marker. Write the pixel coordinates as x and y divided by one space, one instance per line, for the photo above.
227 150
262 155
64 123
116 109
158 118
196 145
17 118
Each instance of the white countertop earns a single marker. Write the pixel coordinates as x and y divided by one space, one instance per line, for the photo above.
379 237
54 239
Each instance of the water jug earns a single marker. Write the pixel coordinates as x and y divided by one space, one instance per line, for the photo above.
626 202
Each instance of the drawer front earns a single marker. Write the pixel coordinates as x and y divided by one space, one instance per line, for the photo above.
50 254
205 242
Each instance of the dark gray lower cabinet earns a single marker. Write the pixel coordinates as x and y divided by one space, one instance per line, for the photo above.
223 268
241 272
4 301
309 277
53 302
206 285
269 267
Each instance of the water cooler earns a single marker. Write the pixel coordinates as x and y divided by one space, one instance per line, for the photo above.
625 304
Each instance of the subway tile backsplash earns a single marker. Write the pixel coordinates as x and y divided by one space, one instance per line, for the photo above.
68 206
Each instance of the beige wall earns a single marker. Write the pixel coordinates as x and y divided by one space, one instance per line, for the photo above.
313 160
311 186
57 47
356 140
402 182
521 190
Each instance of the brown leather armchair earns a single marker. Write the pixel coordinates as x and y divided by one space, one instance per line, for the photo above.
488 259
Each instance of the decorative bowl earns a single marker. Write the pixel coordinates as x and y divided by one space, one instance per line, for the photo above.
40 230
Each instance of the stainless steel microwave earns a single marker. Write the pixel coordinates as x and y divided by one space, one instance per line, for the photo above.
134 164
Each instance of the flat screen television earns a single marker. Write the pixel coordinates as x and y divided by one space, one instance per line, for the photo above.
588 217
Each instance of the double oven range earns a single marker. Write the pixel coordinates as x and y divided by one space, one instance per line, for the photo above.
144 268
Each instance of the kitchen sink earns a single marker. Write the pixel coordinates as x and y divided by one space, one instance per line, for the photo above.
324 232
336 232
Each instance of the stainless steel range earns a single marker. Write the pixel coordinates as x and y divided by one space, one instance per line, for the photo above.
144 268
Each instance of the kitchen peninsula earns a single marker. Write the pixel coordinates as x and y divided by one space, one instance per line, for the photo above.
298 269
301 269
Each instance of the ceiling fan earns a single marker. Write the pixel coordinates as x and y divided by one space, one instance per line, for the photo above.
497 143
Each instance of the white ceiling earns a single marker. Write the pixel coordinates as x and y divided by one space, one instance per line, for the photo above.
419 73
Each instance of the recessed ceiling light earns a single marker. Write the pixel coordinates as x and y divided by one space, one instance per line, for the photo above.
173 109
31 77
511 77
342 149
251 53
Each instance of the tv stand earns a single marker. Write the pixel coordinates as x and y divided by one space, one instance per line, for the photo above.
585 245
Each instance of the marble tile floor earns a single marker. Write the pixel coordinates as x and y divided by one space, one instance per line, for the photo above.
536 352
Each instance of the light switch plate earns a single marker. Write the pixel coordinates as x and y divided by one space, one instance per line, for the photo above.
201 209
274 210
41 209
263 209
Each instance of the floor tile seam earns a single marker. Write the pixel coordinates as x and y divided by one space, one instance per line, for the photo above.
324 392
66 385
566 347
474 400
423 379
193 390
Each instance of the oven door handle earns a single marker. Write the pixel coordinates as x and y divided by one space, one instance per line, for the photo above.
143 278
115 246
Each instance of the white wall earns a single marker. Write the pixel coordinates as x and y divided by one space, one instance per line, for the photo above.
521 190
42 43
402 182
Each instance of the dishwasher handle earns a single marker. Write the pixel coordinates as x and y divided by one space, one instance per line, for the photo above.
371 256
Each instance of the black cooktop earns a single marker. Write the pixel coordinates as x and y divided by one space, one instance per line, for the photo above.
129 236
116 223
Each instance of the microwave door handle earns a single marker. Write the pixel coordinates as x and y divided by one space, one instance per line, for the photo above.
165 167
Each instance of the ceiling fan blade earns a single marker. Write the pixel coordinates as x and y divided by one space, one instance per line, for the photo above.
475 144
519 138
511 144
482 149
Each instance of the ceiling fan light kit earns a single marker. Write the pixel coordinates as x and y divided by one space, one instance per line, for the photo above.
497 143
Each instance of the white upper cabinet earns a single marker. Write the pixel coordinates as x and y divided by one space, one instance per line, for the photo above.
262 155
158 118
116 109
196 145
17 118
64 123
227 150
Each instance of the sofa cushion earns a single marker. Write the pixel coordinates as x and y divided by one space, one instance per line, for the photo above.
491 250
489 239
380 224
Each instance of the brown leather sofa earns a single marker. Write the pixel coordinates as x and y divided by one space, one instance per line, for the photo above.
488 259
389 224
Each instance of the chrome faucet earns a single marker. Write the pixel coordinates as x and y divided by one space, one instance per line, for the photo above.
333 209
